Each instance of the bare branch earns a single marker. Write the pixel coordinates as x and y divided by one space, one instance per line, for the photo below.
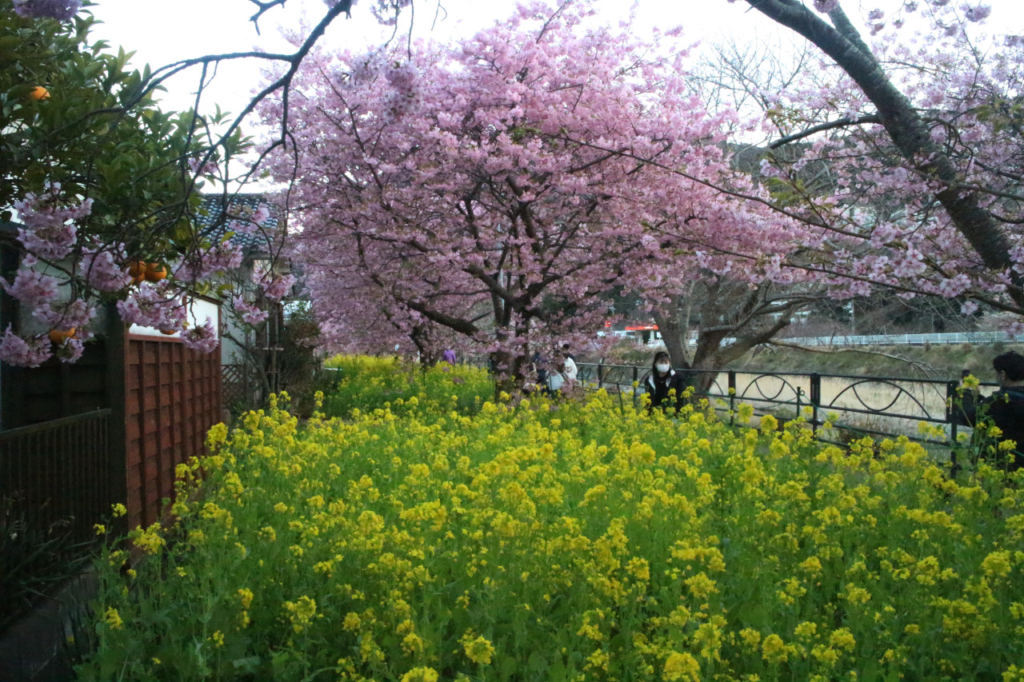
840 123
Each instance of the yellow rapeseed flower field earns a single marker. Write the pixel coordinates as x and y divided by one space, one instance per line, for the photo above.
435 535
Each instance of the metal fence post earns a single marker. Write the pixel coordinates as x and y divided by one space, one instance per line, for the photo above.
600 375
732 397
815 399
950 410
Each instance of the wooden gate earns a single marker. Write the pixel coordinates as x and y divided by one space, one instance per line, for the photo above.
173 397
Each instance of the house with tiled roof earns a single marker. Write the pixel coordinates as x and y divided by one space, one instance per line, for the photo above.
249 358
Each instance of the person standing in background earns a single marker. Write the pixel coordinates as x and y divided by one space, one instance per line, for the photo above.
664 385
1005 408
570 370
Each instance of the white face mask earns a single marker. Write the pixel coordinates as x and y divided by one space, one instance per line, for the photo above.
662 367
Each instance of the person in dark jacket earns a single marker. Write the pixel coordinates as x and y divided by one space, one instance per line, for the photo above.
1005 408
661 381
540 367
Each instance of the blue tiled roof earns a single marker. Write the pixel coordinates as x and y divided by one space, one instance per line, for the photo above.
213 221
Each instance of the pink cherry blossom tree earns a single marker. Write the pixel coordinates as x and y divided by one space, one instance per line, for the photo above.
923 146
499 187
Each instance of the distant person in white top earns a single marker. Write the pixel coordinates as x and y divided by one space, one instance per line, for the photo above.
556 380
571 371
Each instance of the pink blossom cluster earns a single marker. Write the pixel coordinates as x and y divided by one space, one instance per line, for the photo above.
49 234
151 306
61 10
24 352
30 286
71 350
101 269
76 314
251 225
250 313
201 338
199 168
880 223
977 12
277 287
222 258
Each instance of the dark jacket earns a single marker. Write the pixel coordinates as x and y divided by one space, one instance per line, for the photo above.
658 388
1006 410
540 366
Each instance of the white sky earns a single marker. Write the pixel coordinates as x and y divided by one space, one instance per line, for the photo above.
197 27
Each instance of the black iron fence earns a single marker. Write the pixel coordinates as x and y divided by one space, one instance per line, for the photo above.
60 472
875 406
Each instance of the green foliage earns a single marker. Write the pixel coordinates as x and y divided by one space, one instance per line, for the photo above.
33 560
299 361
98 133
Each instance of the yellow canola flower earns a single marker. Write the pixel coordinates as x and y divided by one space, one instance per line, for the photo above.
843 639
997 564
148 540
112 618
217 436
479 649
301 612
586 513
420 675
751 637
681 667
774 649
806 630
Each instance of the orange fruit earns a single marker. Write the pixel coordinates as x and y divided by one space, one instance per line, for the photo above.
58 337
155 272
39 92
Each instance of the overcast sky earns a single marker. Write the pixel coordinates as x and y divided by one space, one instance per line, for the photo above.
161 32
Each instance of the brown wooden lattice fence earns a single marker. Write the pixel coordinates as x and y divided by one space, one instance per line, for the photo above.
173 397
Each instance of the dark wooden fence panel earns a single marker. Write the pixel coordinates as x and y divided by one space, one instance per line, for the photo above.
172 400
57 471
56 389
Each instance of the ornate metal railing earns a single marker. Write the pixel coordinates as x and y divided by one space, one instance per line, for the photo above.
876 406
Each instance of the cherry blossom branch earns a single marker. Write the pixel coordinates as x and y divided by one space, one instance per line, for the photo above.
840 123
904 126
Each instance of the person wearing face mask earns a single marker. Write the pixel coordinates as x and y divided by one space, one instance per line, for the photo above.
661 381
